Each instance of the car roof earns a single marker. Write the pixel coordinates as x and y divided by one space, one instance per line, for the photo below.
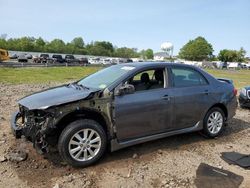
146 64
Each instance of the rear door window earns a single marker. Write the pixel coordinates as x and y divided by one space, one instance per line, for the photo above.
187 77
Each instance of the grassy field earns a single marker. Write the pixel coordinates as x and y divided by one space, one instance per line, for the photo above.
62 74
240 78
44 75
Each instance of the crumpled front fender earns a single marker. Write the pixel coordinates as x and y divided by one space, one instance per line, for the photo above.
16 130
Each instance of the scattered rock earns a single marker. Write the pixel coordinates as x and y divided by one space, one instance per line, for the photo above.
44 166
171 183
159 151
164 182
135 156
17 156
2 159
219 166
56 185
2 141
212 144
145 167
2 118
88 183
229 146
129 173
4 171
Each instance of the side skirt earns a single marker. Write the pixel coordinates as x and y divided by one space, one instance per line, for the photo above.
116 144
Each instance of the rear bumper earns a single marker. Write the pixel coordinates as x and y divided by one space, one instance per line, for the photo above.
231 108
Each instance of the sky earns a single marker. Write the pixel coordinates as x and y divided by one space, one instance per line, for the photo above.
138 24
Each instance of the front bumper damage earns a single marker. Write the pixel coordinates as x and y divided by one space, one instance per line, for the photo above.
16 130
32 126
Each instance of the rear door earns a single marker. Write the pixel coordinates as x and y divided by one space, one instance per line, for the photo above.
191 96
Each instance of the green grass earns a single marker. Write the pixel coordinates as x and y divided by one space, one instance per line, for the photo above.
44 75
63 74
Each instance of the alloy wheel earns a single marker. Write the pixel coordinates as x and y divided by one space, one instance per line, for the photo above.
215 122
84 145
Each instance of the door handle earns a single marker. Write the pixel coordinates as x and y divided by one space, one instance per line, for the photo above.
206 92
166 97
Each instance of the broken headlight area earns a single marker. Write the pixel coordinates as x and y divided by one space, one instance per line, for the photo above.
34 125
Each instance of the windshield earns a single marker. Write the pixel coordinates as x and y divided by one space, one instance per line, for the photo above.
105 77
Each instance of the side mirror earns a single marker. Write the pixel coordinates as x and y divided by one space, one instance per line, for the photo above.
125 89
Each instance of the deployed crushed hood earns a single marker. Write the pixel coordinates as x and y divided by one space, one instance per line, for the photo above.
55 96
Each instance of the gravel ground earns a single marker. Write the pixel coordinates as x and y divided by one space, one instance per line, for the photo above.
169 162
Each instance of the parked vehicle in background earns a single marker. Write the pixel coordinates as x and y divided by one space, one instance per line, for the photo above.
114 61
43 58
28 56
119 61
129 60
224 65
94 60
244 97
4 55
58 58
233 65
13 56
124 105
244 65
105 61
84 61
22 58
248 66
71 59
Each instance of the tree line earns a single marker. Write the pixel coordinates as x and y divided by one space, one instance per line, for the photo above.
76 46
200 49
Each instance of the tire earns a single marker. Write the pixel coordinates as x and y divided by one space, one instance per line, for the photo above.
69 140
214 129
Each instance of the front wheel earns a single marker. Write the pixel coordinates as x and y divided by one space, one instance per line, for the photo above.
82 143
214 122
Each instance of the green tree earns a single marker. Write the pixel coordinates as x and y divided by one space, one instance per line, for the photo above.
147 54
196 50
232 55
100 48
56 46
39 44
78 42
3 43
26 44
241 55
125 52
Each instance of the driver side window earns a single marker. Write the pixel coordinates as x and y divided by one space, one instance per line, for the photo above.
148 79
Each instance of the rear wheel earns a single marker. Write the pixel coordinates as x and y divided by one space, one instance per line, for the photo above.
214 122
82 143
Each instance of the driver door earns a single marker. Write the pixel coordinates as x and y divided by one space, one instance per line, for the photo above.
145 112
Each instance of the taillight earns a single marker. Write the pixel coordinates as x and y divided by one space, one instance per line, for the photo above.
235 91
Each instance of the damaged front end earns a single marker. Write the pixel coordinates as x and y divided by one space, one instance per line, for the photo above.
34 125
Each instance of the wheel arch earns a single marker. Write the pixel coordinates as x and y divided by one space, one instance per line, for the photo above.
222 107
83 114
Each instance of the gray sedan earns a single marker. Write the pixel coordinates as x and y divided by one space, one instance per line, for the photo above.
124 105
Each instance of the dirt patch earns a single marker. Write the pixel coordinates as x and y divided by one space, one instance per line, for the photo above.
169 162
